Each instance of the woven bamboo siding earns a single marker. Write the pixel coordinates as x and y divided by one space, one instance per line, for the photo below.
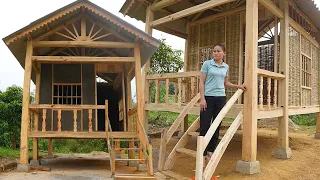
315 76
305 46
306 97
193 49
232 49
294 68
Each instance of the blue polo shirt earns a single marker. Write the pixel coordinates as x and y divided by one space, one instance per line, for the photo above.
214 83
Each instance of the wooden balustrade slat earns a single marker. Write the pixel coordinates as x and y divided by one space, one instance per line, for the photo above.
261 93
59 120
269 93
75 120
275 94
44 116
90 120
179 91
167 91
157 92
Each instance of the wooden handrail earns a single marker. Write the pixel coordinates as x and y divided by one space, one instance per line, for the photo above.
222 146
65 107
173 75
181 116
220 116
273 75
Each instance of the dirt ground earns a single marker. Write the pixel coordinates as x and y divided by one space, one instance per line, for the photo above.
304 163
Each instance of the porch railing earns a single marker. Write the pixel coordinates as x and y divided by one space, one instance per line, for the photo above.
185 87
268 89
40 115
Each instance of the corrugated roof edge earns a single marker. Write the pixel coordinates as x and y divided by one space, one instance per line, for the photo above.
74 3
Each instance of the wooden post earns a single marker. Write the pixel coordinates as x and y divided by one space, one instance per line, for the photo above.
106 116
249 138
36 115
139 90
146 68
25 105
317 135
124 101
50 155
275 47
283 151
199 158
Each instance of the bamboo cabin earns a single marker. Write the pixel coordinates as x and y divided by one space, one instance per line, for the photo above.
271 45
82 60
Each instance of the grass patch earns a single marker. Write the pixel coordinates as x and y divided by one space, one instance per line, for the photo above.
304 119
9 153
164 119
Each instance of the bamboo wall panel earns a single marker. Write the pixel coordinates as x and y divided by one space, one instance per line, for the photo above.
306 97
193 49
294 68
315 76
305 46
232 49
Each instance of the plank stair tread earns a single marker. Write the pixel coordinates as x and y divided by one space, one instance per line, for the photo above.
133 176
122 134
194 134
174 175
127 148
187 152
124 159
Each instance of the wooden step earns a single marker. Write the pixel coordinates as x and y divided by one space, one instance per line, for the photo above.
122 134
164 175
127 148
194 134
187 152
123 159
133 176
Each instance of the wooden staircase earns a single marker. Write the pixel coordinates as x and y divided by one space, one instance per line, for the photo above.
132 154
202 141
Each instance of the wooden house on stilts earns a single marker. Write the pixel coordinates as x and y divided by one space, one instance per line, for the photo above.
271 45
82 60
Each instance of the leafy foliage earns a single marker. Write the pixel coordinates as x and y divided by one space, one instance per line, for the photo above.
166 60
10 116
304 119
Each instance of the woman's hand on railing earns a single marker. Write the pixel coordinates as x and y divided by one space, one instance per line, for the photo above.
243 87
203 104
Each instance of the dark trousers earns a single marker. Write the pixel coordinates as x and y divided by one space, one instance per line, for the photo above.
214 106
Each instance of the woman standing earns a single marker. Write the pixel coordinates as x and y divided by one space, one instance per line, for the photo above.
213 80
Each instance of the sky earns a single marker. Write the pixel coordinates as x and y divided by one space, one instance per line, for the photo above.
16 14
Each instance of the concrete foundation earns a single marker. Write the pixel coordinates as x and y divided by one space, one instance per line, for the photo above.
283 153
23 167
132 163
141 167
248 167
317 135
34 163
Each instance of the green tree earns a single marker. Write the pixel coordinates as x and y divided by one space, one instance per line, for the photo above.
166 60
10 116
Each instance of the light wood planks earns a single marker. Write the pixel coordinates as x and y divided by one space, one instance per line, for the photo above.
272 7
68 135
80 59
25 105
249 143
92 44
283 138
189 11
222 146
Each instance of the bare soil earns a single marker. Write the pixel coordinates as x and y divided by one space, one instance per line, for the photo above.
304 163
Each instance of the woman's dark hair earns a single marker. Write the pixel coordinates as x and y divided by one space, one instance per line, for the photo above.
220 45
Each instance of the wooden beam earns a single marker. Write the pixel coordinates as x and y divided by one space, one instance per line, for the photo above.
283 137
174 75
216 16
36 115
139 90
303 32
272 7
82 59
87 44
68 135
189 11
146 69
303 110
25 105
270 74
163 4
249 139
